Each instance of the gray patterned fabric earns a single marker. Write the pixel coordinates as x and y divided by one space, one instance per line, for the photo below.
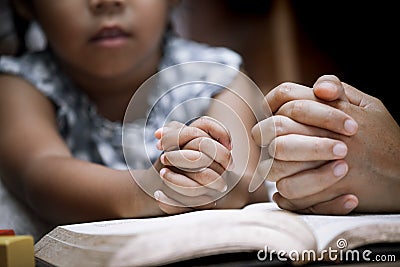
92 137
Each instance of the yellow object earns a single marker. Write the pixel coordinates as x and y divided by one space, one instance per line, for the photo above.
17 251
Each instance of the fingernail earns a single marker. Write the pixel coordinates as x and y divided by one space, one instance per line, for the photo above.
162 159
158 132
340 169
350 126
162 172
157 195
340 150
158 145
349 205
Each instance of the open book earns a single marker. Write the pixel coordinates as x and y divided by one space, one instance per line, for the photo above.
262 228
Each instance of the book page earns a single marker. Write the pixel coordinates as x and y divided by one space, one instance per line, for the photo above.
263 206
134 226
160 240
226 231
327 228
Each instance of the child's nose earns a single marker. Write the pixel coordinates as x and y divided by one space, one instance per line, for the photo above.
106 6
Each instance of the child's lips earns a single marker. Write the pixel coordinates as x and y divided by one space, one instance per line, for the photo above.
110 37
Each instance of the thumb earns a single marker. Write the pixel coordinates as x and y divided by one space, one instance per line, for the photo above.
329 88
215 129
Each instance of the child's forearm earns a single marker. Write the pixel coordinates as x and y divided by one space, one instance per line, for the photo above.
66 190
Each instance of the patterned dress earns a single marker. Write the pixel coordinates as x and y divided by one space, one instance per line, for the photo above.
93 138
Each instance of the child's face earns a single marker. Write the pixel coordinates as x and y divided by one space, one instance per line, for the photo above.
104 38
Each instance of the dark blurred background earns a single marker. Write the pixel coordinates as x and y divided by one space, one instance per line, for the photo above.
281 40
299 40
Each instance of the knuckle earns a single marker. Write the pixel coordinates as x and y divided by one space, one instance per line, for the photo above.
329 118
190 133
316 146
174 125
279 124
296 109
203 120
278 120
284 90
284 188
331 76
